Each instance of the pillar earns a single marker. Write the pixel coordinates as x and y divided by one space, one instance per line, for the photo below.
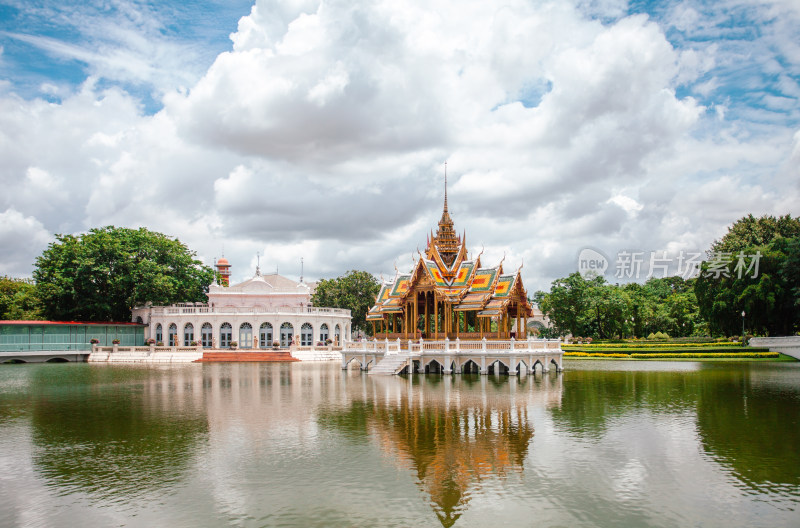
435 315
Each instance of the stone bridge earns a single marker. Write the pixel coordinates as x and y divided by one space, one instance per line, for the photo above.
446 356
789 345
43 356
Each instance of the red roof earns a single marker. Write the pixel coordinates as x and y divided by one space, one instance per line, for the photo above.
64 323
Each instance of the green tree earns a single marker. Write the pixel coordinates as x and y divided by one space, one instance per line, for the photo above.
102 274
355 290
568 303
750 231
18 299
608 309
770 297
665 305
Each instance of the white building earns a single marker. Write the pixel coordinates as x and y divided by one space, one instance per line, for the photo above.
255 313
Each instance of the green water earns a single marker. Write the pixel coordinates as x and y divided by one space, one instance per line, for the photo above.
603 444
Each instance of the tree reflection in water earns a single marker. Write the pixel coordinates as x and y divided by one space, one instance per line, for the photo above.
128 437
453 441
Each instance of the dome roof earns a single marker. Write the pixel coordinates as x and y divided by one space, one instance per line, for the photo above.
223 262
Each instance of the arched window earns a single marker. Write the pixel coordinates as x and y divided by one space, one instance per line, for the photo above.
159 333
207 335
306 335
225 335
139 320
246 335
323 333
188 334
265 335
287 333
337 334
173 334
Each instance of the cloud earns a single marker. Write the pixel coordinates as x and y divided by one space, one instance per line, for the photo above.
24 238
322 131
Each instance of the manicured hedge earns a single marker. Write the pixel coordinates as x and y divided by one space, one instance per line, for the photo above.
679 355
595 354
731 355
616 346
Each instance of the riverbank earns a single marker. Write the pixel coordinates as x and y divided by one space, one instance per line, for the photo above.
672 351
777 357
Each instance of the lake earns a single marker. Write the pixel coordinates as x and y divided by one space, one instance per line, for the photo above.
604 443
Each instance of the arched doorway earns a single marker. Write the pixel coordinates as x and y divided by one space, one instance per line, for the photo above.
337 334
287 334
207 335
323 333
306 335
159 334
246 335
188 334
265 335
225 335
173 335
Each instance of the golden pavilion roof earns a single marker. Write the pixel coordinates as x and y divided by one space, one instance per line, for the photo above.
461 282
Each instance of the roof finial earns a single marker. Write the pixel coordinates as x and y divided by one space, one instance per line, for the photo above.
301 270
445 186
258 263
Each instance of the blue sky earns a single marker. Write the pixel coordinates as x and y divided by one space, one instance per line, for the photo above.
319 129
61 44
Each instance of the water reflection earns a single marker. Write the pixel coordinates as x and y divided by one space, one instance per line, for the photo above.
117 434
747 416
599 395
455 433
608 444
748 420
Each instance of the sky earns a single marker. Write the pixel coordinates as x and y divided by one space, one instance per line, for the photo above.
281 130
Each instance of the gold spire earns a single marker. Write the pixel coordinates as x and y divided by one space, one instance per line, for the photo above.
446 239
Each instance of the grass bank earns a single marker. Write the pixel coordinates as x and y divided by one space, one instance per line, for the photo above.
672 352
609 357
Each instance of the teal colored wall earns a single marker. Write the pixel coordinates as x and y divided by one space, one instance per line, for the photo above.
66 337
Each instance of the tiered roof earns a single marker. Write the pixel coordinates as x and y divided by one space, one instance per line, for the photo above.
456 279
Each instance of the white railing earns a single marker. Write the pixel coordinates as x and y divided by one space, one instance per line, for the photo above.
456 346
231 310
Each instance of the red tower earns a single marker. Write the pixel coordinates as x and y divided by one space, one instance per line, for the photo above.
224 270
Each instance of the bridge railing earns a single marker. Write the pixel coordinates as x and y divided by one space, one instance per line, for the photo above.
456 346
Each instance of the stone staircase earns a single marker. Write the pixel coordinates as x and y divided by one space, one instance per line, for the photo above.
236 356
390 365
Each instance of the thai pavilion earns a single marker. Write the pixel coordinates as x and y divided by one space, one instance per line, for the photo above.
449 295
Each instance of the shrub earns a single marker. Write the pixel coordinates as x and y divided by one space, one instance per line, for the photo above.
328 341
712 355
651 336
94 341
115 341
275 344
234 344
160 343
661 335
193 343
150 341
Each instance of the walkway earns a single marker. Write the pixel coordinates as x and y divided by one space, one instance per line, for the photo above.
454 356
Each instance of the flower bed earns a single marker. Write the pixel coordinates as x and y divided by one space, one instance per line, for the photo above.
762 354
712 355
615 346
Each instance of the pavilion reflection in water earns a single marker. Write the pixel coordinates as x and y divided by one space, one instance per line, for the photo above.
455 441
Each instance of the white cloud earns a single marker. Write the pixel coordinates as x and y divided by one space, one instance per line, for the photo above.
323 131
23 239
